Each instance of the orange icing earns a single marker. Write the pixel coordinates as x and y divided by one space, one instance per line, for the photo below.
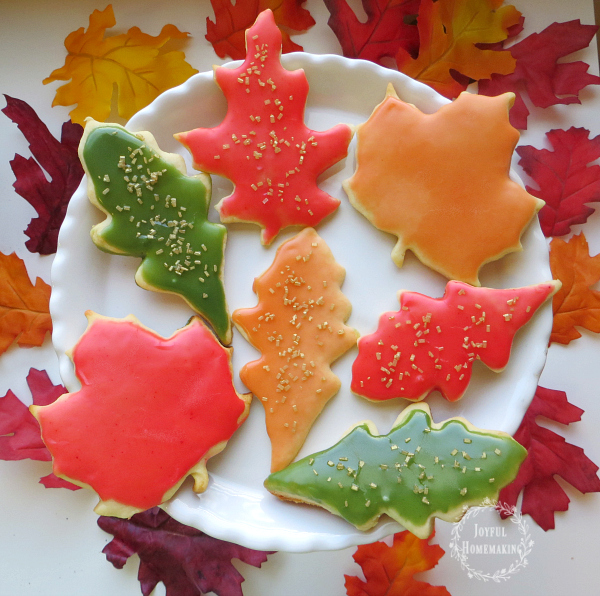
150 411
298 326
440 182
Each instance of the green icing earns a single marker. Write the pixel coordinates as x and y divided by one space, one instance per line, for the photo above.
427 487
158 214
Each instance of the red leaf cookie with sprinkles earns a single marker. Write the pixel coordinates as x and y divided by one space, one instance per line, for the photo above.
151 411
298 326
263 146
431 343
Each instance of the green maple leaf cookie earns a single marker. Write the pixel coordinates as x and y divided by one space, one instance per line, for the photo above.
156 212
418 471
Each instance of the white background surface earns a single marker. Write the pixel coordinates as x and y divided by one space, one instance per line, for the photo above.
49 541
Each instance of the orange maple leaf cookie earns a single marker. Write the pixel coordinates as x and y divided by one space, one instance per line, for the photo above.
298 326
263 146
151 411
440 182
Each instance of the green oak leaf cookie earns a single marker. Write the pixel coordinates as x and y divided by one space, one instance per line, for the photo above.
156 212
418 471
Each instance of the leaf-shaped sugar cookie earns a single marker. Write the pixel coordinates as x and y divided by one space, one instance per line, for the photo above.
418 471
431 343
440 182
151 411
263 146
157 213
298 326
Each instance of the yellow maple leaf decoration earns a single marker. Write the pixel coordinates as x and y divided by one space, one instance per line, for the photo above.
134 61
298 326
440 182
449 31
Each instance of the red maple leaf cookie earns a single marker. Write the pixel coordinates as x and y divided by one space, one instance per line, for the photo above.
263 146
151 411
431 343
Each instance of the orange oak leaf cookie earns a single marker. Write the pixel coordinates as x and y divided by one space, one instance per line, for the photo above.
440 183
298 326
263 146
431 343
151 411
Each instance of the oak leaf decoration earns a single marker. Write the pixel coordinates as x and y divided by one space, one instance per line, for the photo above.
390 570
576 304
59 159
137 63
548 454
24 307
449 34
227 33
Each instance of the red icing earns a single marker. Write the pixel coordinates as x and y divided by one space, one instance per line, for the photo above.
438 340
149 409
274 169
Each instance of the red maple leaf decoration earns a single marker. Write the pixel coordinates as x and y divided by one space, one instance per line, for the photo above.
546 81
565 178
226 34
263 144
549 454
389 570
389 27
20 436
59 159
187 561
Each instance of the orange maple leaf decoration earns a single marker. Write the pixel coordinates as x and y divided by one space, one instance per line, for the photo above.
227 33
449 31
440 182
263 144
24 308
389 570
575 304
134 61
298 326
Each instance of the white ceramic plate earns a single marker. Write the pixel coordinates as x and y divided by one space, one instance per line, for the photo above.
235 506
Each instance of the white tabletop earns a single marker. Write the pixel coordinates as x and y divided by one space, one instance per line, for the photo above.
49 541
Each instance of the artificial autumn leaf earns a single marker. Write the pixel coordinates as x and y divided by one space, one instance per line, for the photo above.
547 81
136 63
59 159
428 194
151 411
576 304
449 31
226 34
566 181
390 25
390 570
263 144
548 454
418 471
187 561
162 218
24 308
20 436
302 286
431 343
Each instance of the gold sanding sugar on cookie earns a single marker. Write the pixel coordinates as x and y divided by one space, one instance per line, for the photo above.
298 326
151 411
440 182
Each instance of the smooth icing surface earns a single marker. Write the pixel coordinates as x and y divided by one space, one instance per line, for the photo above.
431 343
150 411
298 326
263 146
418 471
157 213
440 182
